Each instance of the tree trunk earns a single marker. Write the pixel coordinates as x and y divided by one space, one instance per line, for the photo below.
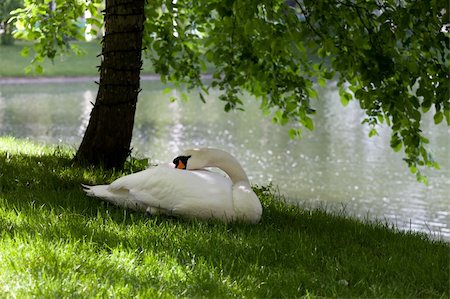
107 138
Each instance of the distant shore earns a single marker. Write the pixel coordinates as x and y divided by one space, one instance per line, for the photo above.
43 80
74 79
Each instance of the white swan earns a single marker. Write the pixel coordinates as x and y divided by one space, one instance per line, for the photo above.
187 189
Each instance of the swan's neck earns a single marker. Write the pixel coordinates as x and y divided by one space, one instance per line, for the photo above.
233 170
227 163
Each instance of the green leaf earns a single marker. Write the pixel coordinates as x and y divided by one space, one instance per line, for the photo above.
38 68
422 178
312 93
77 50
373 132
308 123
345 96
396 143
295 133
28 69
184 97
25 51
438 117
202 98
380 118
328 75
447 116
94 21
280 118
322 82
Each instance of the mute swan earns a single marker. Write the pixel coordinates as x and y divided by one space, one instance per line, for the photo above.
187 189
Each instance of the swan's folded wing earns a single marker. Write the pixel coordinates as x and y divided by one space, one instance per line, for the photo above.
139 179
191 193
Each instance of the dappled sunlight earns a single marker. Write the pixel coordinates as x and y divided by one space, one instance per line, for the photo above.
12 145
56 239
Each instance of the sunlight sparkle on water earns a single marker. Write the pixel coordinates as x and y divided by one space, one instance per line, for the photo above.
327 166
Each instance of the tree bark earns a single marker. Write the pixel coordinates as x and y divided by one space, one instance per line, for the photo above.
107 139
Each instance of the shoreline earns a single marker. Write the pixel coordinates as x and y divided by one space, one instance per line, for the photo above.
43 80
75 79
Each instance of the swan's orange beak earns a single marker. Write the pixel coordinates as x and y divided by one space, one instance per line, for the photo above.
181 162
180 165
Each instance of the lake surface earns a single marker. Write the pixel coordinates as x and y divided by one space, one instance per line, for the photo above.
336 166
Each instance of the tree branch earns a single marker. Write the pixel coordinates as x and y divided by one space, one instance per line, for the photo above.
305 13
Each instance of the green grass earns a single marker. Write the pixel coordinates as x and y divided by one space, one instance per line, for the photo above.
56 242
13 64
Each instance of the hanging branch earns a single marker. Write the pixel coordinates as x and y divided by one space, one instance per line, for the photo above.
305 13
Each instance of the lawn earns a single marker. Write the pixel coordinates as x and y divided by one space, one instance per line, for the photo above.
56 242
13 64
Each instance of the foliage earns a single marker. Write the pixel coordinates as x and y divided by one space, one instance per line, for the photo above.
57 242
6 6
51 25
392 56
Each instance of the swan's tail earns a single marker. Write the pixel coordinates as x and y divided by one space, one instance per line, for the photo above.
119 197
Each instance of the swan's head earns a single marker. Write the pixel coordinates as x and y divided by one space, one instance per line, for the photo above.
200 158
192 159
181 162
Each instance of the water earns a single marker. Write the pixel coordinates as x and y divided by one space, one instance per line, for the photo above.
336 165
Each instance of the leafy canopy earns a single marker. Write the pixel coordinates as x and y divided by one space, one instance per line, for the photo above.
392 56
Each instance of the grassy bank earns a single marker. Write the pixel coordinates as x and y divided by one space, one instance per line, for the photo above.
13 64
56 242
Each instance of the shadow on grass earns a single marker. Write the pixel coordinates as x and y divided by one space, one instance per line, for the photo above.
289 253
